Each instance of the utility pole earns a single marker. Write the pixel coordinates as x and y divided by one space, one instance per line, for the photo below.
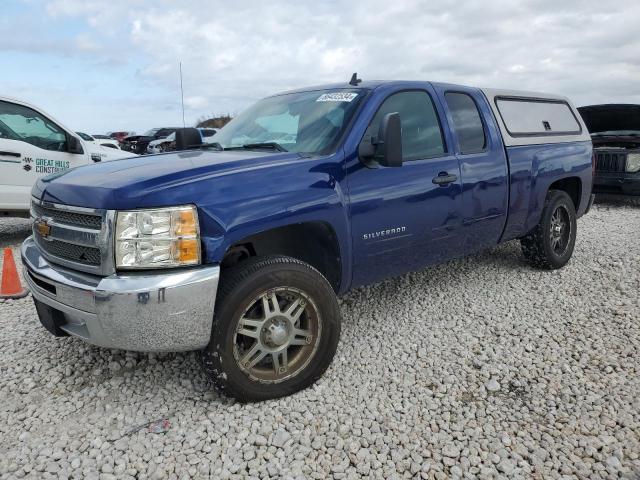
182 95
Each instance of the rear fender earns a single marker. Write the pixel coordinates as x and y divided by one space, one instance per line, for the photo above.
533 169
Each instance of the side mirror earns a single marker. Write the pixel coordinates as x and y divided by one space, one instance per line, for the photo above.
386 148
187 138
74 145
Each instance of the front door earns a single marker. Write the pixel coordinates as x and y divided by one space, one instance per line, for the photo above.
406 217
31 146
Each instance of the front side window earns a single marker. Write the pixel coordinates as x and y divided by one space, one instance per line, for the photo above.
421 132
305 122
467 122
18 122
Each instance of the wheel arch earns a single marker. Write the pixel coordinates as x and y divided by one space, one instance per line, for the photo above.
313 242
572 186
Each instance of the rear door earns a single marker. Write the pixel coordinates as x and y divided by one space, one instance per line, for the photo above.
31 145
406 217
483 166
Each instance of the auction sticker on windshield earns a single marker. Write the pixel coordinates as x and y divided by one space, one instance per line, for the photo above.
337 97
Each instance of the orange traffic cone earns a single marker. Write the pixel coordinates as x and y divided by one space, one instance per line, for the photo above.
10 287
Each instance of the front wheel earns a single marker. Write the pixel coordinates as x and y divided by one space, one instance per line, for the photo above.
550 244
275 331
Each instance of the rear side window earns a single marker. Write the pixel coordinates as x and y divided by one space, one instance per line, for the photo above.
421 133
524 117
466 122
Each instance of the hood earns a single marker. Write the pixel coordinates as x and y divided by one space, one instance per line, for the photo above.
139 182
611 117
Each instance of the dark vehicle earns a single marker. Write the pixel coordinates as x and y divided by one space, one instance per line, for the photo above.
239 248
138 143
615 132
120 135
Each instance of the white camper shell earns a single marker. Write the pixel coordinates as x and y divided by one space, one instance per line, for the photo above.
529 118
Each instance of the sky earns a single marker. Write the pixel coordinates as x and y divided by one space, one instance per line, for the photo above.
100 66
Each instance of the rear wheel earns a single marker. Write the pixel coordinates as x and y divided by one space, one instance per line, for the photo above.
551 243
276 329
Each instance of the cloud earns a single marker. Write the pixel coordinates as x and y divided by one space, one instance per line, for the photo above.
256 48
233 54
196 102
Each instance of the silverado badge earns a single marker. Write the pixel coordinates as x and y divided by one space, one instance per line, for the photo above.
43 228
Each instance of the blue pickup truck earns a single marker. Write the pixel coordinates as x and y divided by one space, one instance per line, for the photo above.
239 248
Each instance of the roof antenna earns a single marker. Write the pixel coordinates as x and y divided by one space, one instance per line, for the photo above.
355 80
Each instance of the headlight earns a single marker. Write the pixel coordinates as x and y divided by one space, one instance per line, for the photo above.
157 238
633 162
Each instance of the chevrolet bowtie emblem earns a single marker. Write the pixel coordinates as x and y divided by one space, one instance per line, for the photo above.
43 228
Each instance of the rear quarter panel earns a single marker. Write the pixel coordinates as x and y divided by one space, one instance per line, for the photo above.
533 169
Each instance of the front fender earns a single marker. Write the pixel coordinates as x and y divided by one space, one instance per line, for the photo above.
249 202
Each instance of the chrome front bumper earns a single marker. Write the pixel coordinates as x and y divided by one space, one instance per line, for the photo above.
163 311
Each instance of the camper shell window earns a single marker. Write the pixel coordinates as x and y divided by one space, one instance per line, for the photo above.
525 117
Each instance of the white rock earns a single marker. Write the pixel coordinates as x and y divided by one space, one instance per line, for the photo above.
492 385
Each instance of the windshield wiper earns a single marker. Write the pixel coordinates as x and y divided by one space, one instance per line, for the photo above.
271 145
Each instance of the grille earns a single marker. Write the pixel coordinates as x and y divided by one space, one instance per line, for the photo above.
75 237
71 252
70 218
610 161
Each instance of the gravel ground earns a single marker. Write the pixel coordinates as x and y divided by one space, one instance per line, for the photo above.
479 368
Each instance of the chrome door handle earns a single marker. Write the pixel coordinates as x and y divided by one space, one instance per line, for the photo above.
444 178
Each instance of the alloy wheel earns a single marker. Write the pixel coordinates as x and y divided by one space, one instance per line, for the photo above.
277 335
560 231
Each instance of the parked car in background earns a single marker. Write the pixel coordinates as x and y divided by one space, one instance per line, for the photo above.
615 132
240 249
161 145
99 140
106 141
120 135
33 144
168 144
138 143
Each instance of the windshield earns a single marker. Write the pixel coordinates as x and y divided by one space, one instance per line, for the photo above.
306 122
152 132
84 136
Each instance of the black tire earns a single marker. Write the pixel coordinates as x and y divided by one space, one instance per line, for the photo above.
537 246
239 287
